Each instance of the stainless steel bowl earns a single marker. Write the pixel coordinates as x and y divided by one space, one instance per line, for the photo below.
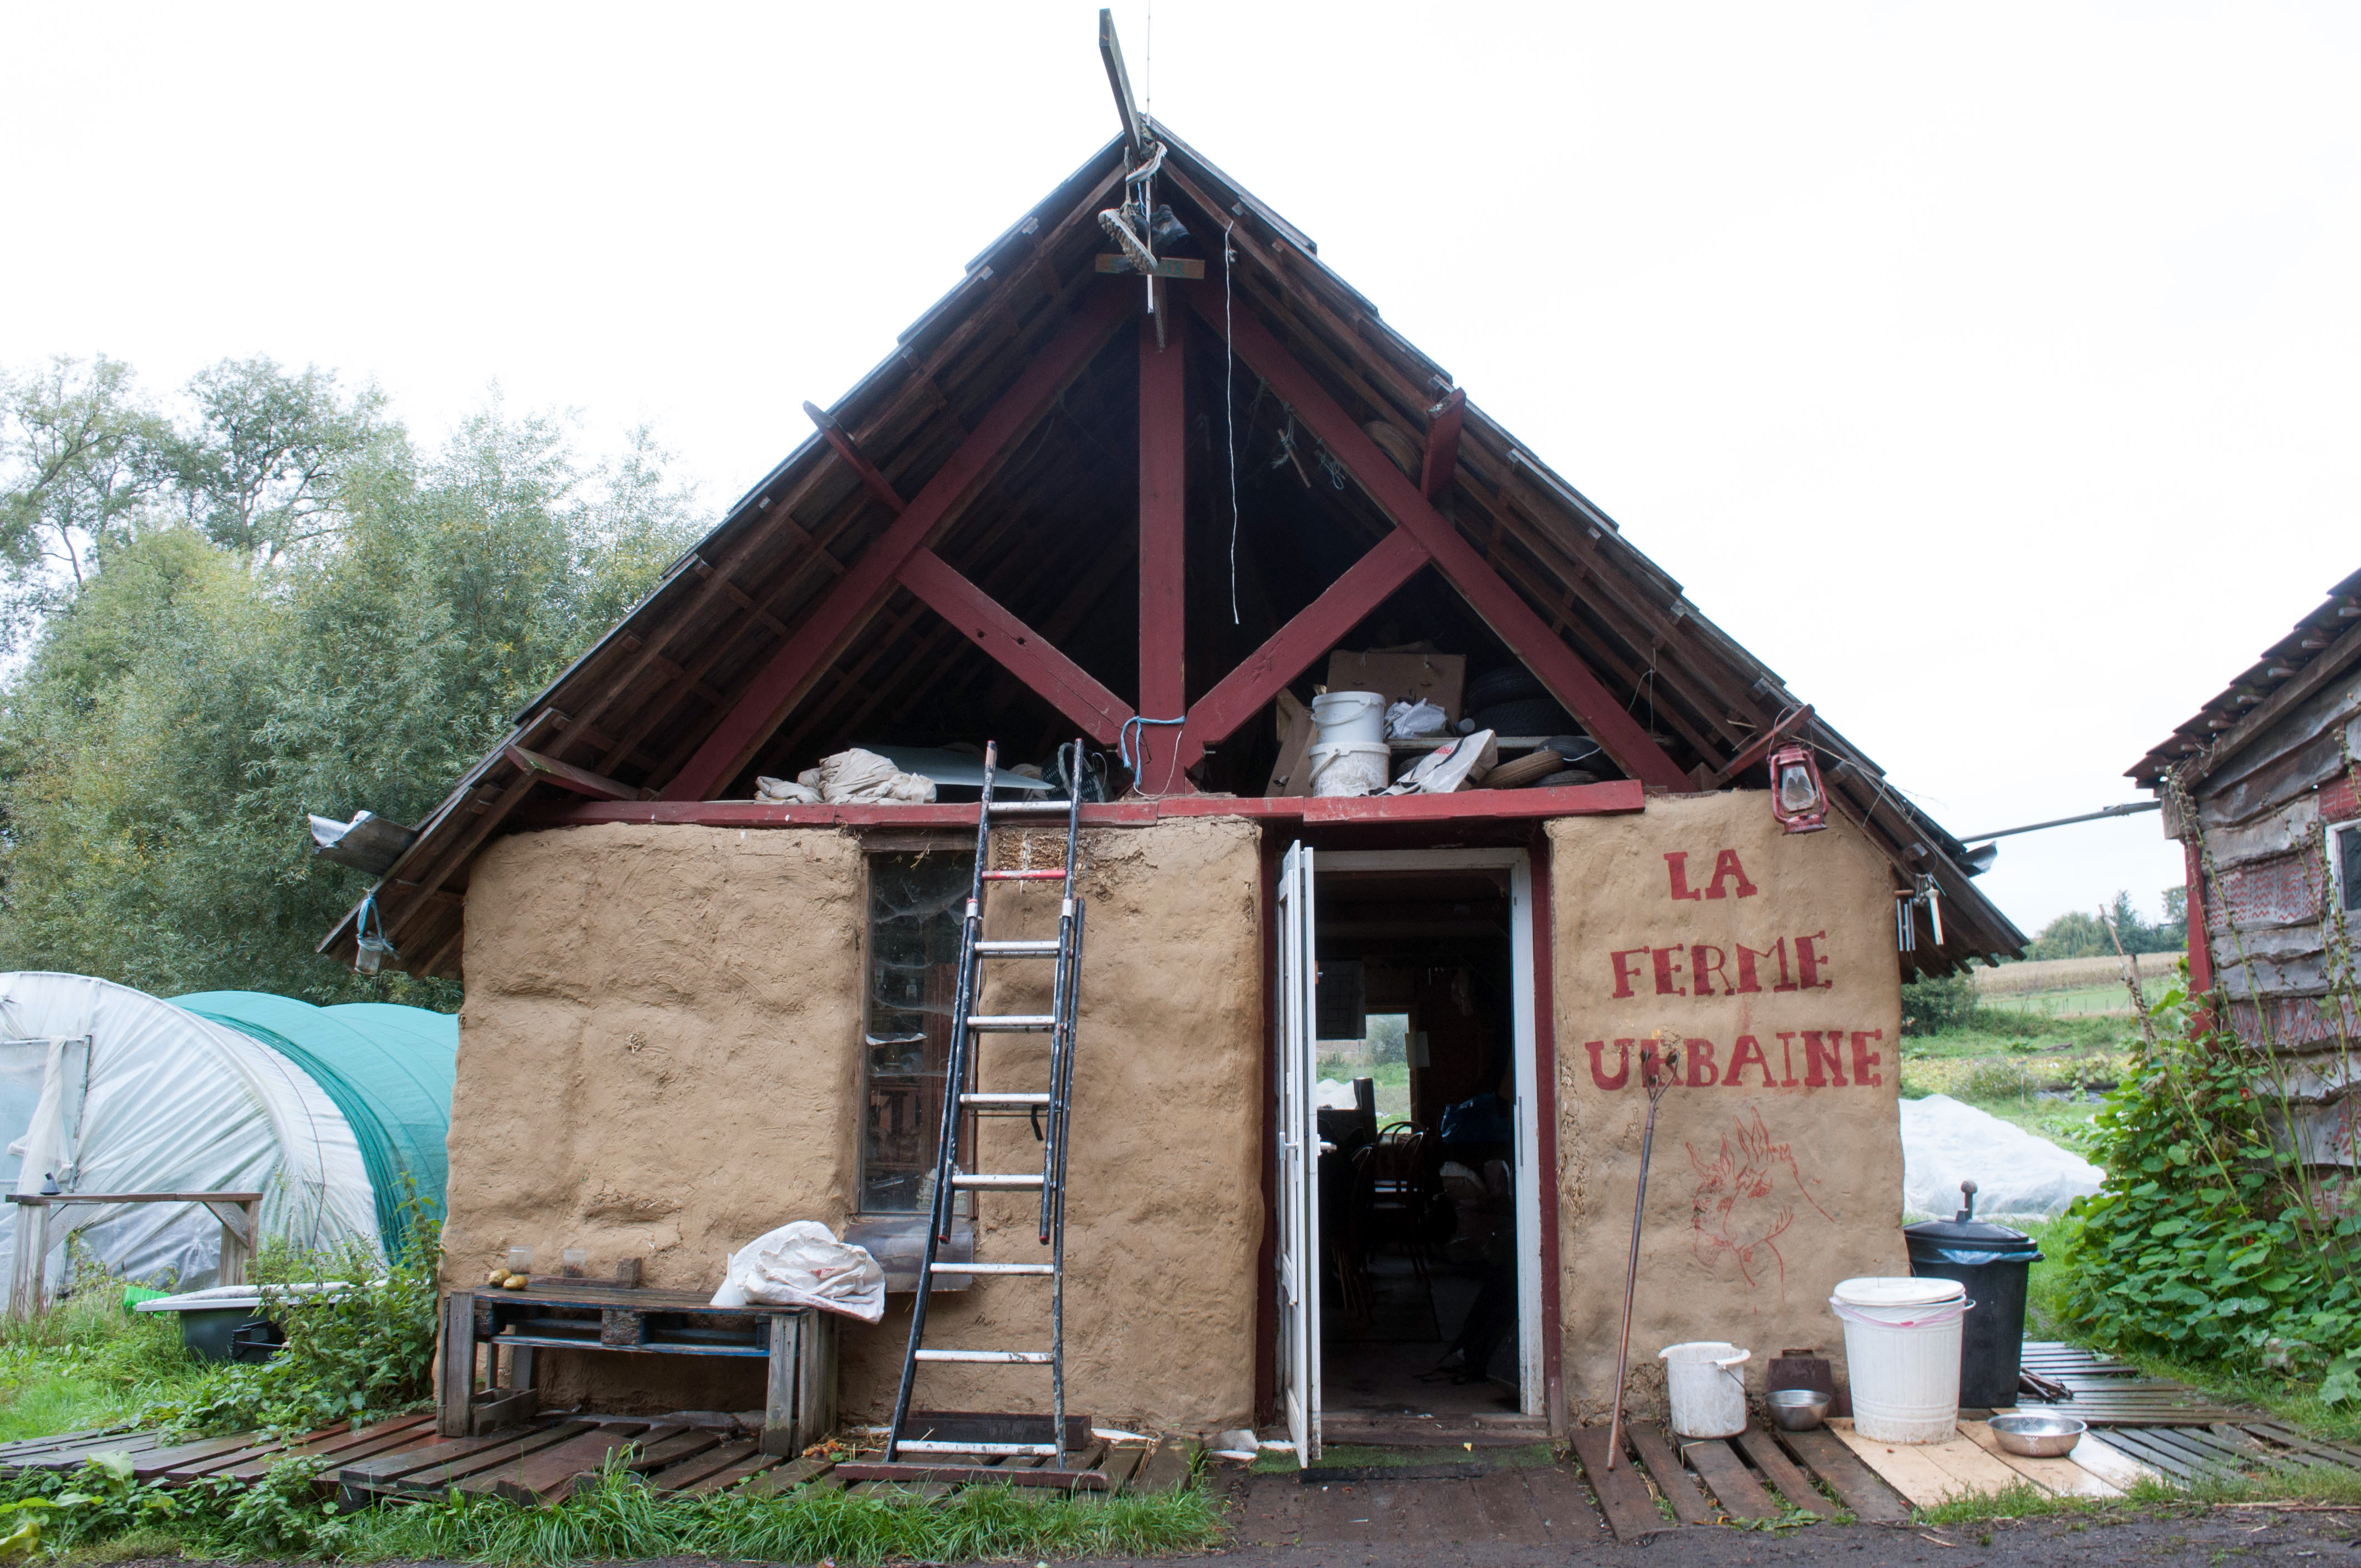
1796 1409
2038 1436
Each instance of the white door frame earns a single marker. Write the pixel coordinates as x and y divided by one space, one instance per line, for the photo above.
1519 864
1298 1191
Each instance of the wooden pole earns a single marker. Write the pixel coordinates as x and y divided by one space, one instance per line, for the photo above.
1163 557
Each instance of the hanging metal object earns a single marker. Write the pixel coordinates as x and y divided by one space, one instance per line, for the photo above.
1798 798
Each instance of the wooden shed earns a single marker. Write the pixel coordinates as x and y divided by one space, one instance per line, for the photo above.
2261 789
1161 515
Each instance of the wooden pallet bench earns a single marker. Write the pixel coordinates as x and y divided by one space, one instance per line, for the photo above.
510 1327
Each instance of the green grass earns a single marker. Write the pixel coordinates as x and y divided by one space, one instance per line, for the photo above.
86 1363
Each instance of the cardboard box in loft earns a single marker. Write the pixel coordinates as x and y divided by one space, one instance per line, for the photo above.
1402 677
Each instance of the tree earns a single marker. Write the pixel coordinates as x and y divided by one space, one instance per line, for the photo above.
352 640
74 438
259 470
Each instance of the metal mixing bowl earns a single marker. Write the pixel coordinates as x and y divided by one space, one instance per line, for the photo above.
1796 1409
2038 1436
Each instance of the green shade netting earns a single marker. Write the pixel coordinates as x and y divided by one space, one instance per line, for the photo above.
388 1068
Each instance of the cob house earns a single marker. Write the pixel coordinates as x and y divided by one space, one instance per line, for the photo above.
1159 497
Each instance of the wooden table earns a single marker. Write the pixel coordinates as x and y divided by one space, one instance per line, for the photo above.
798 1342
28 1287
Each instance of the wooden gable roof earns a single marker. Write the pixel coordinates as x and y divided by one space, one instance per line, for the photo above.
959 541
2320 646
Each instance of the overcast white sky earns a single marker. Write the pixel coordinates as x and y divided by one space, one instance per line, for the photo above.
1989 371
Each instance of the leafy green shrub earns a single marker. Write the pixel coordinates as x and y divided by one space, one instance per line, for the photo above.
359 1349
1931 1006
2208 1242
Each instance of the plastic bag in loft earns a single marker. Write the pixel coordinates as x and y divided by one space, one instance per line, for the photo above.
803 1264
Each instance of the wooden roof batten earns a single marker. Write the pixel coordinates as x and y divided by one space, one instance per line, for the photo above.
688 690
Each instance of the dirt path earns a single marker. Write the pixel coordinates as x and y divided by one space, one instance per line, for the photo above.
2222 1537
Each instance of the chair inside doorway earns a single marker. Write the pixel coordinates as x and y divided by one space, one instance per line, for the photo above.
1417 1170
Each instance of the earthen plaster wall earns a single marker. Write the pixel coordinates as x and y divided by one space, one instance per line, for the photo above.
660 1057
1767 960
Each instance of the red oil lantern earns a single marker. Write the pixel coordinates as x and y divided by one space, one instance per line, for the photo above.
1798 799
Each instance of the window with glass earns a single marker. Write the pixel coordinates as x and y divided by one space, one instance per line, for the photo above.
916 901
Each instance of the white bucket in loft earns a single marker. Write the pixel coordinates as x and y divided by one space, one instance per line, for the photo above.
110 1090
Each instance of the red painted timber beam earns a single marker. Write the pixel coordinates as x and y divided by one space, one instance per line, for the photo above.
1163 565
838 437
1617 797
1024 651
1293 648
566 776
1441 444
832 623
1528 636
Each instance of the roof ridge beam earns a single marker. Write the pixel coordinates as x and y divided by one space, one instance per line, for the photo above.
1528 636
766 700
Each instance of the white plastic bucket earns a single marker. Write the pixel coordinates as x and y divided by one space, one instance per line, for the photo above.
1708 1395
1902 1354
1356 717
1351 768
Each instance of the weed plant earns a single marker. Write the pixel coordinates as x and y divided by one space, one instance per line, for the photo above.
615 1517
361 1340
88 1363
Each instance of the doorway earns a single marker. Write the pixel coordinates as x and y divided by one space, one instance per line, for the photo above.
1410 1259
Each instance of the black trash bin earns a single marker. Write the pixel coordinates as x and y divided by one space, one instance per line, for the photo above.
1993 1262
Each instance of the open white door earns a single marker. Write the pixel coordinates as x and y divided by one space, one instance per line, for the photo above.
1299 1155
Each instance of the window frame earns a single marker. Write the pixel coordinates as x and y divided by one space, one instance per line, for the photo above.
872 845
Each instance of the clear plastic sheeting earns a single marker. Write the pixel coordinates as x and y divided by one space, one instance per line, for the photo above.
137 1095
2018 1175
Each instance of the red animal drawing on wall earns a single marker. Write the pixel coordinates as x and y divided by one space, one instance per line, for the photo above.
1746 1199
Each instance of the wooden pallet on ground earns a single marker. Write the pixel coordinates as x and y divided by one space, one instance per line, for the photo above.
545 1460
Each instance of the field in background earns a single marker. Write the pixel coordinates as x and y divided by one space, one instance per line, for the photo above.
2071 988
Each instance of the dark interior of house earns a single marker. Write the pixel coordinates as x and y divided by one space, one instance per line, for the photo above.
1416 1203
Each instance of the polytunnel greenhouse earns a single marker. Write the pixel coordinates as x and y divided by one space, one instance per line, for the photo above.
337 1115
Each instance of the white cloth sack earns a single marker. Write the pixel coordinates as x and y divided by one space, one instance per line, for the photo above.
1455 766
1409 720
2018 1175
858 777
803 1264
785 791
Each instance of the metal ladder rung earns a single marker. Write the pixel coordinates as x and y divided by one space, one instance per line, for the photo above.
1010 1022
1031 807
912 1446
994 1267
1000 1099
1002 1357
1024 876
1045 948
997 1180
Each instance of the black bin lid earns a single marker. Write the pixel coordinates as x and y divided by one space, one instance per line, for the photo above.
1965 1239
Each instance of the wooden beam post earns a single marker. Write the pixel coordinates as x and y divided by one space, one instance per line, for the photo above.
765 701
458 1390
1163 555
837 438
1529 637
1442 443
1026 653
566 776
1295 647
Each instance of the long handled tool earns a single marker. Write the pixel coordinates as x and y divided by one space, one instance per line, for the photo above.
1659 1079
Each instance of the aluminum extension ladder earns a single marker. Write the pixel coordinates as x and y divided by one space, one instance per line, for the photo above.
963 1103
